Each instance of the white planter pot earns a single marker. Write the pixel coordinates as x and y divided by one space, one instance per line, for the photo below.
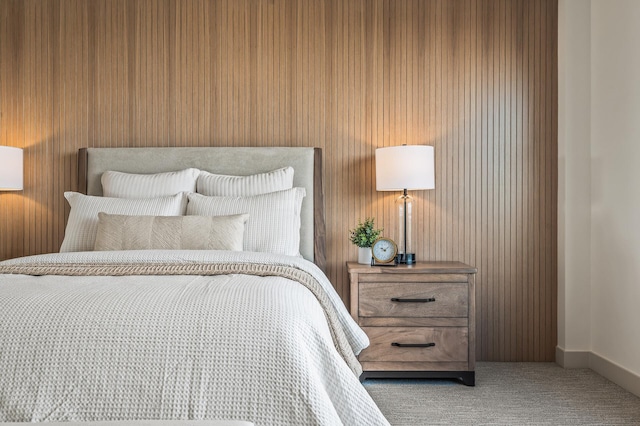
364 255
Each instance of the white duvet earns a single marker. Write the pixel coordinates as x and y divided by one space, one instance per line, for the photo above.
233 346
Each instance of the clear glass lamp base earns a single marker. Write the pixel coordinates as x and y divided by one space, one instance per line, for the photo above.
406 258
404 205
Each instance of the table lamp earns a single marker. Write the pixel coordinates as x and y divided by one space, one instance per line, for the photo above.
403 168
10 168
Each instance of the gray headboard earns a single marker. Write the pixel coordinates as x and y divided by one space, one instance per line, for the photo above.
240 161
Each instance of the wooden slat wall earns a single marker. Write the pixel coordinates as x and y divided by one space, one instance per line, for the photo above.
476 79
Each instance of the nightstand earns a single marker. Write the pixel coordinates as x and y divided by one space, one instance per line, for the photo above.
419 318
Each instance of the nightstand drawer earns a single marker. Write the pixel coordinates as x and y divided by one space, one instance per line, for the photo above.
416 344
415 300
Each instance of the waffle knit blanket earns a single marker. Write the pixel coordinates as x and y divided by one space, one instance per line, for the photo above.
189 335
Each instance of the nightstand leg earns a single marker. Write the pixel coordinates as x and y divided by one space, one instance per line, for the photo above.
468 378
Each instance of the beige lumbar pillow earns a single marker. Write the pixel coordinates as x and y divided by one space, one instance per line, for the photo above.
119 232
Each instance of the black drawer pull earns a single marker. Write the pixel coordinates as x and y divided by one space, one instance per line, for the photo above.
427 300
413 345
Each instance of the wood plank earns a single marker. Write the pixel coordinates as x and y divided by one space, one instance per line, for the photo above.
475 79
412 278
437 299
449 344
414 366
433 267
472 322
412 322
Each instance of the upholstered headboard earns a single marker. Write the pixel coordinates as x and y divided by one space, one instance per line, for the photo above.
239 161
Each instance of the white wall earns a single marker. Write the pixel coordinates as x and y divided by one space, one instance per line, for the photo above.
574 175
615 188
599 186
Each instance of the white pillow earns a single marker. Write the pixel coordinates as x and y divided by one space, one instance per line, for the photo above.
245 186
80 234
131 185
274 218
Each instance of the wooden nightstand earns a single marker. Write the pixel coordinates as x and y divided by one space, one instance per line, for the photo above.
420 319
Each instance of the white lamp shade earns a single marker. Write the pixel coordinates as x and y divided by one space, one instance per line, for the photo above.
10 168
405 167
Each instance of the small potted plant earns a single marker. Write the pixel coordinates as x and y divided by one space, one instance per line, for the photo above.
363 236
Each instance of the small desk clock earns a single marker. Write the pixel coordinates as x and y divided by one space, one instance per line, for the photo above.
384 251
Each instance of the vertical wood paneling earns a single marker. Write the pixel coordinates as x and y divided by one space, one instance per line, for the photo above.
475 78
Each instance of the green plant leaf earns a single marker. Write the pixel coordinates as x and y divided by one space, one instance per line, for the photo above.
365 234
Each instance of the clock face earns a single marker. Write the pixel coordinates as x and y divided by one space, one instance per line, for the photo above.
384 250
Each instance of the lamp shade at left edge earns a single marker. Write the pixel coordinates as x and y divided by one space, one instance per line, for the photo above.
11 168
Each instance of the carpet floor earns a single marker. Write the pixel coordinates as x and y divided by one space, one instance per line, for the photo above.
508 394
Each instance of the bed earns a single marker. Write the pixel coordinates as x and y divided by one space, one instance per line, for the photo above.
185 306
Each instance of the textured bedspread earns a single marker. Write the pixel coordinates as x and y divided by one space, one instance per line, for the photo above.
242 336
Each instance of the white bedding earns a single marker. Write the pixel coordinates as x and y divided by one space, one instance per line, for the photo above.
233 346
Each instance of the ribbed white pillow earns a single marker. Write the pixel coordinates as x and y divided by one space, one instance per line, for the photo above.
131 185
274 218
245 186
80 234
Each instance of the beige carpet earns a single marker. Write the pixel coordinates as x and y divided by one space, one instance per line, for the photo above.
508 394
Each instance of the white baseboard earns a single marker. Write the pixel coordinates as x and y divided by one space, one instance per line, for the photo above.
572 359
606 368
616 373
